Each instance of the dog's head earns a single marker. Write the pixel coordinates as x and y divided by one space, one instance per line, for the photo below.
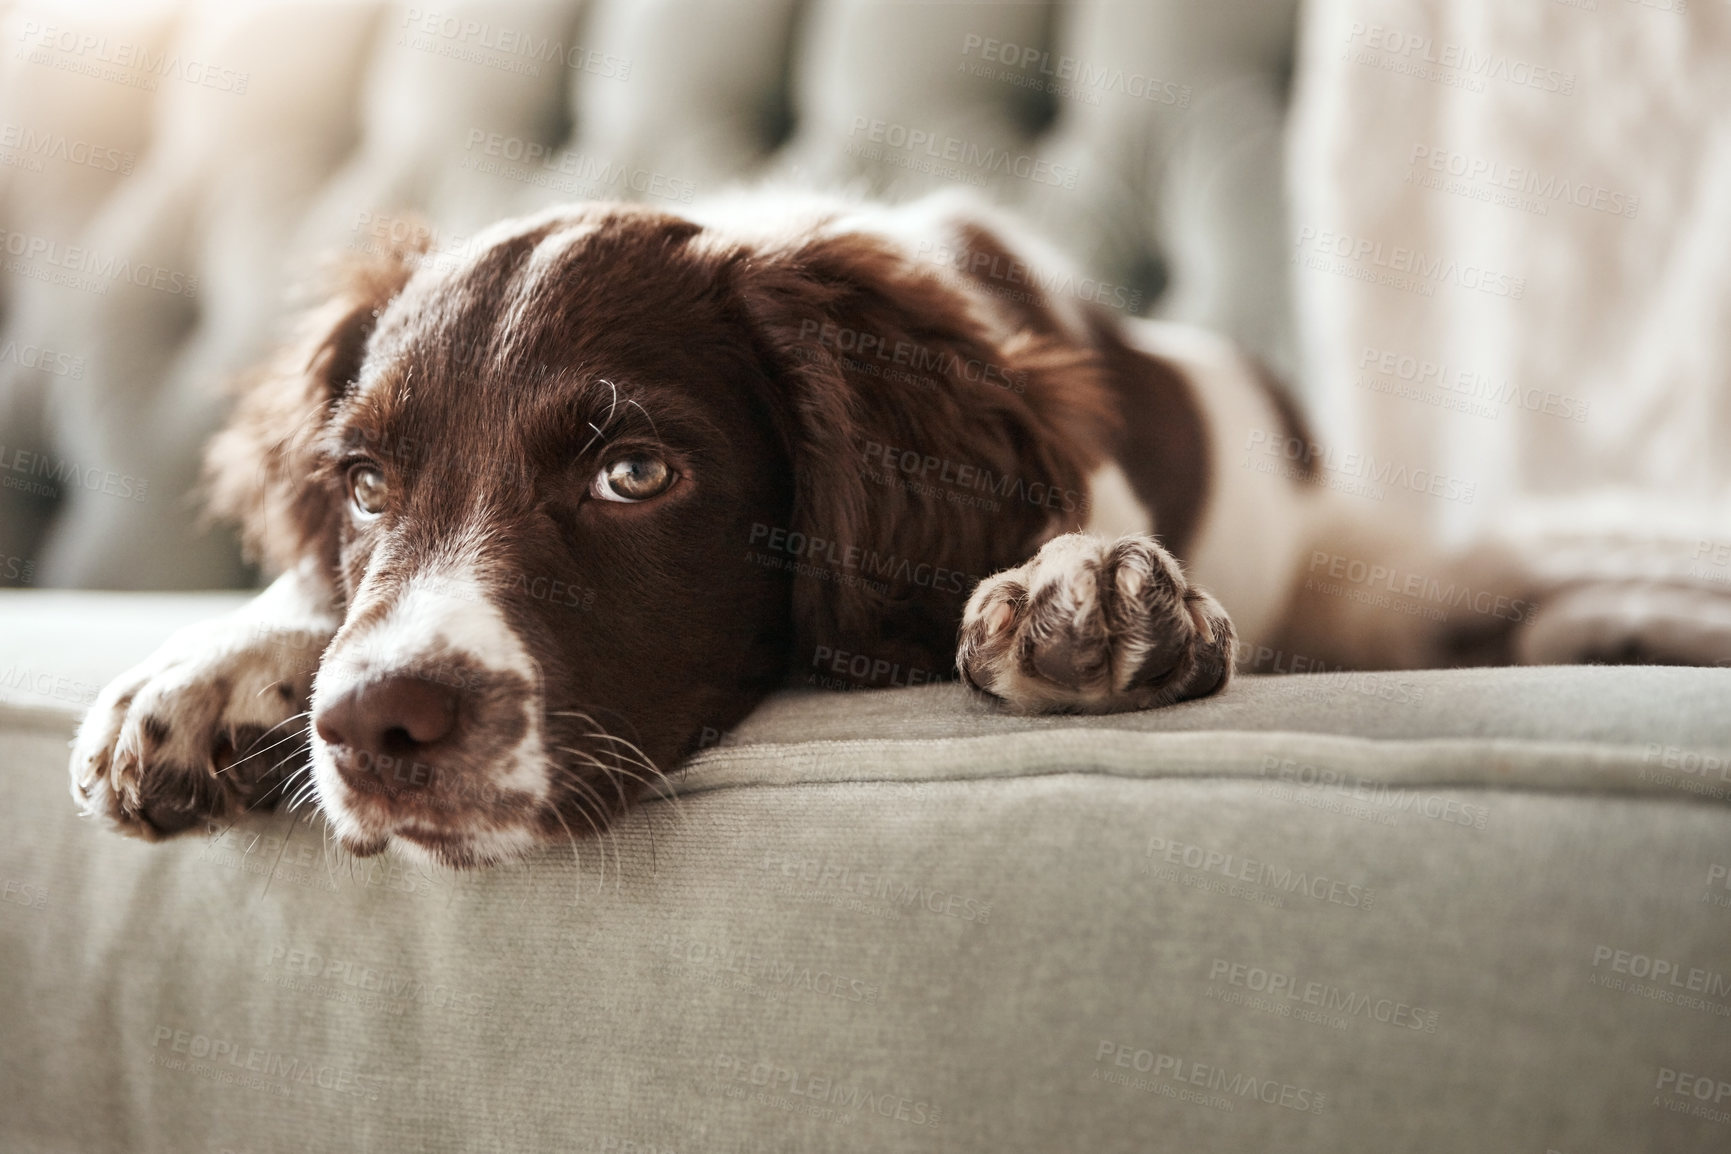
588 492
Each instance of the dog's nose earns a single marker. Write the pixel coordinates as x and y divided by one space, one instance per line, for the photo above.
388 719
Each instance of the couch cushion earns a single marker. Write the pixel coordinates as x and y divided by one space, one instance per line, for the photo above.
1442 910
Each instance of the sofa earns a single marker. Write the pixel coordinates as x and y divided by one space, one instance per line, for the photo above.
1440 910
1337 911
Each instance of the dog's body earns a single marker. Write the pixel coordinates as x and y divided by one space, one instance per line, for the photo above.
547 513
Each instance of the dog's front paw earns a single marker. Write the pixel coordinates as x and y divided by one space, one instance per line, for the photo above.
1095 626
205 727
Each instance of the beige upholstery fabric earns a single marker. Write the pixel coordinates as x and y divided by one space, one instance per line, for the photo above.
1465 911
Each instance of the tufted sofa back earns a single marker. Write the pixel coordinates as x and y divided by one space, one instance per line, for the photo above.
170 169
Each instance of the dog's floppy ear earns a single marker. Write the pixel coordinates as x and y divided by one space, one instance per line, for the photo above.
928 451
258 470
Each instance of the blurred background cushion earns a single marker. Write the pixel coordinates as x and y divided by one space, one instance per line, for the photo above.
1474 248
234 145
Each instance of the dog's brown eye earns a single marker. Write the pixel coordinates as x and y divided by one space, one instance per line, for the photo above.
368 490
634 478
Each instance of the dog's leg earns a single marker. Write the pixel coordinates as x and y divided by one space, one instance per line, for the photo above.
1622 585
1369 594
1548 585
1095 626
212 723
1638 622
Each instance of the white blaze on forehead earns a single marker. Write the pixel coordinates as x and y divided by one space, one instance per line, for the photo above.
441 624
439 613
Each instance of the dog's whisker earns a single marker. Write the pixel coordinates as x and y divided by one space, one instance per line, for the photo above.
613 780
285 721
306 790
661 786
253 752
588 794
649 822
301 796
576 858
282 786
252 749
613 773
330 844
270 875
638 758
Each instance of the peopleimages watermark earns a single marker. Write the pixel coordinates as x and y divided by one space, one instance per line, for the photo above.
825 881
1675 7
1399 266
30 895
410 238
927 470
503 48
842 669
30 149
531 162
555 591
21 570
43 359
227 1060
1272 882
811 555
821 1095
921 363
1681 1092
1448 62
1360 474
1690 770
1323 680
47 683
953 157
1661 979
1385 586
773 976
1718 891
1436 383
1273 991
1302 779
73 266
1511 185
1026 66
269 856
1712 561
1001 275
121 61
308 970
1205 1083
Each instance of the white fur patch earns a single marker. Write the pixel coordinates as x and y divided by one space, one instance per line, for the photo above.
1114 510
213 678
1254 525
486 845
441 613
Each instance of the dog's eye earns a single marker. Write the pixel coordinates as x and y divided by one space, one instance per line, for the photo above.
368 490
635 478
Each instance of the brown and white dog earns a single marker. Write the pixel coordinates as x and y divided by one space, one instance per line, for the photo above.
547 513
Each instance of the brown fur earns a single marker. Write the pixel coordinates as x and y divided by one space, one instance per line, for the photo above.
490 390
